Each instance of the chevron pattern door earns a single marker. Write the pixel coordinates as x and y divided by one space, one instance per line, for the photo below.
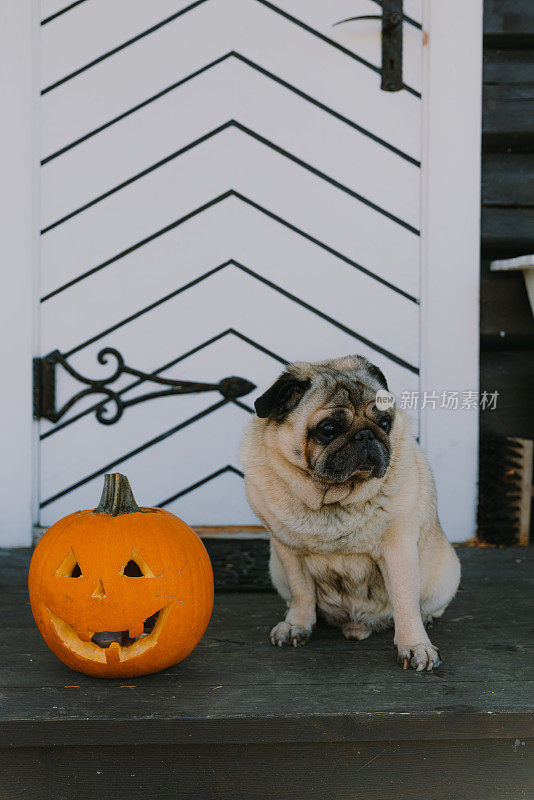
224 188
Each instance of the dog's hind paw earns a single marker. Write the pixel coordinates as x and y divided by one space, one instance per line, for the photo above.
285 633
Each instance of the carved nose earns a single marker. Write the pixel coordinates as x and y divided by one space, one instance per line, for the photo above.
99 591
364 436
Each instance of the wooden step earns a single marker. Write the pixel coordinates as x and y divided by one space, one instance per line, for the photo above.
241 719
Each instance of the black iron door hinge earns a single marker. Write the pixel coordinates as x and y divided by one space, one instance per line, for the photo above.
392 17
44 387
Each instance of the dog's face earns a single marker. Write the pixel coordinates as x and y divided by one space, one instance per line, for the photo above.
323 418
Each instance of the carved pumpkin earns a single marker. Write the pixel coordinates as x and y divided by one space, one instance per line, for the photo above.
121 591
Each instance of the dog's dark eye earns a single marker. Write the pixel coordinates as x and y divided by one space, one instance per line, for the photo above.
326 431
385 424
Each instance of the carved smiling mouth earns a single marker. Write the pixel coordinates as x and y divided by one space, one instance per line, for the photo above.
111 646
124 638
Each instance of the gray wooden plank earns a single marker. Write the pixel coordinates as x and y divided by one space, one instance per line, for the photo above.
354 664
508 66
508 179
508 22
14 565
457 720
509 373
507 230
235 678
181 702
507 101
441 770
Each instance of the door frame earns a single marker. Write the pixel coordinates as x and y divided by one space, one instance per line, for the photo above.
449 358
450 252
19 306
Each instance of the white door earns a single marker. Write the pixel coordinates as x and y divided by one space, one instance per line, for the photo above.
224 187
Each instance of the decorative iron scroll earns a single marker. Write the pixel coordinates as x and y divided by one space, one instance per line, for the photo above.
44 371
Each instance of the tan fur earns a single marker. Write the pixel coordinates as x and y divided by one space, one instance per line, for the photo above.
365 552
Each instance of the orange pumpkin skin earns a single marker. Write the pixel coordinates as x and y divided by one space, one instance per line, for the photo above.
69 610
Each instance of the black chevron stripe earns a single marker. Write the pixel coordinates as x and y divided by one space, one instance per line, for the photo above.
136 177
319 35
257 68
135 108
122 46
324 246
139 244
331 320
62 11
243 406
222 471
267 282
168 365
204 207
327 109
258 346
126 456
194 5
258 137
148 308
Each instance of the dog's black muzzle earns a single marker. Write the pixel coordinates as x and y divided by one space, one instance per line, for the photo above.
363 454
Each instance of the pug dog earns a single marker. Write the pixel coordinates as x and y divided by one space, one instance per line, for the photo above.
349 501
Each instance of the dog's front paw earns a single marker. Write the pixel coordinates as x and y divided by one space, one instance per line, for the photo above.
285 633
419 656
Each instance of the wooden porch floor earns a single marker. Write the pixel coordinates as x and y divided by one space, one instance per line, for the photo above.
241 719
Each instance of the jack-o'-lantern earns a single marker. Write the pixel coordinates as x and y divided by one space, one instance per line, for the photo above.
121 590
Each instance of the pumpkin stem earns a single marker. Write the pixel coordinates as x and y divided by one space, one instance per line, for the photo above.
117 496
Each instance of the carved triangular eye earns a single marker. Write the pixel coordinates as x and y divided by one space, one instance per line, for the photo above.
69 567
132 570
136 567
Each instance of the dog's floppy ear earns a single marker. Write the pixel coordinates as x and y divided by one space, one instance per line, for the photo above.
285 393
377 373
